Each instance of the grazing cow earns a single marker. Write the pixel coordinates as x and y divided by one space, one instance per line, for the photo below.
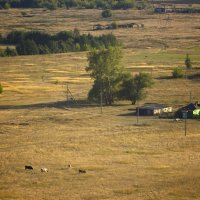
44 170
177 120
81 171
69 166
28 167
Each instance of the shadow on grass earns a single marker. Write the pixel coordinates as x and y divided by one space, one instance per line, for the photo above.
58 105
165 77
128 114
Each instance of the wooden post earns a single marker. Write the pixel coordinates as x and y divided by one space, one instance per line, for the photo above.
190 97
67 95
185 126
101 101
184 115
67 92
138 110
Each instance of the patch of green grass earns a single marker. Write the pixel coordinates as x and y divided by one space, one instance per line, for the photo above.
160 58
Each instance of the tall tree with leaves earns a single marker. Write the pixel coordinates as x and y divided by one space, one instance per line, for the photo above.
133 88
104 67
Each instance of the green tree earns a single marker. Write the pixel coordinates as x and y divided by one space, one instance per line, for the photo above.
27 47
7 5
177 72
125 4
106 13
133 88
188 62
104 67
10 52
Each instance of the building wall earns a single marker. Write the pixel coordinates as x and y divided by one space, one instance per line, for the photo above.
157 111
168 109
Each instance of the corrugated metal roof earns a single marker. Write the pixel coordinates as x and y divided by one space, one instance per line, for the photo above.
153 106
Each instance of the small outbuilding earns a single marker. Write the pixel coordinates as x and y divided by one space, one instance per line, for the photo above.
192 109
153 109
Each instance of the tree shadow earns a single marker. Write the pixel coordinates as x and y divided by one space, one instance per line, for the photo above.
128 114
165 77
58 104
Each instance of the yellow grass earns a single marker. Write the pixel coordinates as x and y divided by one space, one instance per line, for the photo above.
123 159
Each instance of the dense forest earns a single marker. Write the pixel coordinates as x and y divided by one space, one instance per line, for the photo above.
36 42
53 4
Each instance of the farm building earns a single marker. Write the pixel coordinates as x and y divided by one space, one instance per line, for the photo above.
153 109
192 109
176 10
163 10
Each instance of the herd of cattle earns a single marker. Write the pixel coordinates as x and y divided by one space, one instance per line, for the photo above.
29 167
115 26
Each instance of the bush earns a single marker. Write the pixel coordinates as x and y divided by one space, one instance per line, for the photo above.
8 52
106 13
177 72
7 6
114 25
1 88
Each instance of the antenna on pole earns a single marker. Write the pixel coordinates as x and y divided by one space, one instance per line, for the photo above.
70 96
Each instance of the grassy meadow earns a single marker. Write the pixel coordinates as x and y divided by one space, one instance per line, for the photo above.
124 158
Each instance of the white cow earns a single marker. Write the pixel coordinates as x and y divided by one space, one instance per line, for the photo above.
44 170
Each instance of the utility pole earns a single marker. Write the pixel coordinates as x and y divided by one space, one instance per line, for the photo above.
185 126
190 97
184 115
101 94
67 93
138 110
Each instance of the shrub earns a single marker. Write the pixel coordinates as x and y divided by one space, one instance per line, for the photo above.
10 52
177 72
7 6
106 13
51 6
1 88
114 25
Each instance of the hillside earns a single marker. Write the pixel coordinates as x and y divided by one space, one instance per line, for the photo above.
125 157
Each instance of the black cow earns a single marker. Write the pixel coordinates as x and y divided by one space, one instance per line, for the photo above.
28 167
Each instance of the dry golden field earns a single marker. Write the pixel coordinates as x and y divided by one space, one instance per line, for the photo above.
151 160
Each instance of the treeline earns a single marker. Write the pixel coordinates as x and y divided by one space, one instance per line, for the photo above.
89 4
35 42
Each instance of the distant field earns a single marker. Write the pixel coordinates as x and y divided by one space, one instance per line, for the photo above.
176 1
125 159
